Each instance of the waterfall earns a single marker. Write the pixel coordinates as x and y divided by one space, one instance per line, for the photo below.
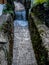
23 53
20 13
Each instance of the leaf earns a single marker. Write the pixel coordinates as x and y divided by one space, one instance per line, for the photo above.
39 1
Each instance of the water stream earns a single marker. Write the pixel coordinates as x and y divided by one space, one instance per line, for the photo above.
23 53
20 13
21 18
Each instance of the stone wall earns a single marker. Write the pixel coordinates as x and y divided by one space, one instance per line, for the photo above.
6 36
43 31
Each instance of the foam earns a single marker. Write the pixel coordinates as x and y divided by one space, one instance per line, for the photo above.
21 23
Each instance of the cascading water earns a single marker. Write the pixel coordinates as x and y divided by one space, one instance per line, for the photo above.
20 16
23 53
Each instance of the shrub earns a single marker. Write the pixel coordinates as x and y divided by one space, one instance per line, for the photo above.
47 2
39 1
8 9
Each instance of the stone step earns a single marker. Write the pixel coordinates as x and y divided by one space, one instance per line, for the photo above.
22 23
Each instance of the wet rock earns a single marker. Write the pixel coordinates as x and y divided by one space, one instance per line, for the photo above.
23 53
18 6
44 33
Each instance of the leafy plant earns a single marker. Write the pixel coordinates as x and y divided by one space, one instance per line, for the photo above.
48 2
8 6
39 1
8 9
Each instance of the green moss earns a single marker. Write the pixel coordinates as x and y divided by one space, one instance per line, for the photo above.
8 9
40 51
38 22
2 26
41 31
39 1
39 11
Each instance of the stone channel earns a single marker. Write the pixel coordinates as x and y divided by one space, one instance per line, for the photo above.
23 53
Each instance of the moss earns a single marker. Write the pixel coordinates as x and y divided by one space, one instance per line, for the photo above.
8 9
39 11
40 51
41 31
38 22
0 28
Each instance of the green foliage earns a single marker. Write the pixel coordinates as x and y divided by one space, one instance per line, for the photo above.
8 9
39 1
8 6
39 12
48 2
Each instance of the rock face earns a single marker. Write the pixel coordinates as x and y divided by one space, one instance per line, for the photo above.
4 41
44 33
18 6
3 60
4 18
3 49
1 9
45 36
